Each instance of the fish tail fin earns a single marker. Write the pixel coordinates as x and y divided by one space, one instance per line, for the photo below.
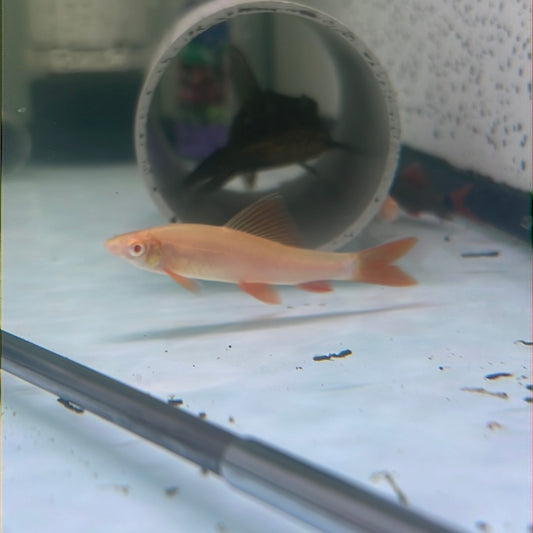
374 264
390 210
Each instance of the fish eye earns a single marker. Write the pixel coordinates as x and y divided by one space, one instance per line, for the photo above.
137 249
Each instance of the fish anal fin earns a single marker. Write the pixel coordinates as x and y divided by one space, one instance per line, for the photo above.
186 283
267 218
261 291
316 286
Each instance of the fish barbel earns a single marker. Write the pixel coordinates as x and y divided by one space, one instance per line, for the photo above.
255 250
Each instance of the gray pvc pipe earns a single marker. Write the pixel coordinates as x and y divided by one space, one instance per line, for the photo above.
330 209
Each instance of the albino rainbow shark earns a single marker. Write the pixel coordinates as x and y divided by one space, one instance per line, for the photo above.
255 250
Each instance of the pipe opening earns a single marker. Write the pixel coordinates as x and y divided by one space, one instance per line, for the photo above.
268 97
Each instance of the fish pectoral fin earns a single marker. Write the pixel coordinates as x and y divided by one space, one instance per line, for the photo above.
316 286
186 283
262 291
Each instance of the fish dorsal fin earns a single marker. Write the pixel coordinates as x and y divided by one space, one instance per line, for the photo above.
267 218
244 81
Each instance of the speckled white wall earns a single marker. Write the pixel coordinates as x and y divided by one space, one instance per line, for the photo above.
462 71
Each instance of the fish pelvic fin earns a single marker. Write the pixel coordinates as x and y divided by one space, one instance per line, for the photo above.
261 291
374 264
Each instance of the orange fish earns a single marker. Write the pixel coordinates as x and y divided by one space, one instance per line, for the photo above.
255 250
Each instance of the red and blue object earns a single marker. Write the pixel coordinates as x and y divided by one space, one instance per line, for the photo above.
427 184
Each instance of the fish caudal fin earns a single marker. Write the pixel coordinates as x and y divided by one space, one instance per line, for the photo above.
390 210
374 265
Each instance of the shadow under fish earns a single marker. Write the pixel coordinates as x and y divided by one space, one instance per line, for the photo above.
269 130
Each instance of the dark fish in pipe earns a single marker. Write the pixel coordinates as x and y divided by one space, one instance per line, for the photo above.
269 130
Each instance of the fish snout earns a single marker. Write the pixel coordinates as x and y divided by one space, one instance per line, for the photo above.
113 246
